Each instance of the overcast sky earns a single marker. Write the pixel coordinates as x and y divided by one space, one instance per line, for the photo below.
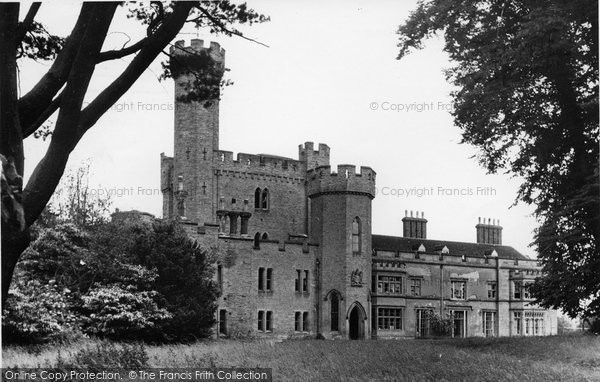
330 75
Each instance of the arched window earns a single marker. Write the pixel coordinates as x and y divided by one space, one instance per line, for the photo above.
356 231
265 236
257 198
257 240
264 202
335 312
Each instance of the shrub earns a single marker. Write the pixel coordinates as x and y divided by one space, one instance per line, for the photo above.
37 312
122 312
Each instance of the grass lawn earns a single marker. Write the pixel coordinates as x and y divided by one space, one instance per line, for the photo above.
559 358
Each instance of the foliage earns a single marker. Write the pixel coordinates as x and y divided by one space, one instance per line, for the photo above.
37 312
526 74
440 327
106 355
122 313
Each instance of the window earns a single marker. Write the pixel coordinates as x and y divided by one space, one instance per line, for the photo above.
261 278
220 276
533 323
389 318
223 321
305 282
526 293
517 322
423 322
459 323
356 247
489 324
389 284
269 322
264 200
265 236
491 289
265 321
335 312
297 322
269 279
415 287
298 277
518 290
261 320
257 194
257 240
305 327
458 290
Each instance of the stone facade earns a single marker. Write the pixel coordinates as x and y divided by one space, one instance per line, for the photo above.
297 256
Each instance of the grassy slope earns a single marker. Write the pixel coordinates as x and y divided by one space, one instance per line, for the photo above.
568 358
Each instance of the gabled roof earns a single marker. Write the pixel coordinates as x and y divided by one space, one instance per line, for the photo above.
457 248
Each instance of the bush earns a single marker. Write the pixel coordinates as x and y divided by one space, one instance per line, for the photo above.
119 312
37 312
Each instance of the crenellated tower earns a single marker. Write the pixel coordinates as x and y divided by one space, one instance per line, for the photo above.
313 158
340 221
187 178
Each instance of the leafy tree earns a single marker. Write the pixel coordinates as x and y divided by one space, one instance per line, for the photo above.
63 88
526 74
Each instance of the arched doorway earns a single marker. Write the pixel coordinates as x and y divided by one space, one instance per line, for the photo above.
356 322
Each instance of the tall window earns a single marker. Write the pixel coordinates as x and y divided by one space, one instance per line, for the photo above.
389 318
415 287
256 240
261 321
491 289
518 323
220 276
526 293
458 290
264 200
356 228
265 321
335 312
261 278
257 194
223 321
489 324
423 322
305 282
305 327
518 290
298 322
298 277
269 279
269 321
459 323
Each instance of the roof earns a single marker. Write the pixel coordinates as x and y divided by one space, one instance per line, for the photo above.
457 248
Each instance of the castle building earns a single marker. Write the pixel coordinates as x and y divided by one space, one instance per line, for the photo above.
296 255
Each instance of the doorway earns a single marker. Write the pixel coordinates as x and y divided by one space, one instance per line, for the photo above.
356 323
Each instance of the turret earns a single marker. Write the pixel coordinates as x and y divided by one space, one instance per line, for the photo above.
340 221
197 72
313 158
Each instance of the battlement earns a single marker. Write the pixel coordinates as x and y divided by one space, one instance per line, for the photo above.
197 46
224 160
322 180
313 158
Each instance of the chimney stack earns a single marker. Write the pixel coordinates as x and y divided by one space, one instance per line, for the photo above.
415 227
490 232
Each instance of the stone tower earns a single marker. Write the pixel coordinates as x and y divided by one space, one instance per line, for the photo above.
340 205
187 178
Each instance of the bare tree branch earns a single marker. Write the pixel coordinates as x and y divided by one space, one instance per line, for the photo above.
114 54
225 29
27 21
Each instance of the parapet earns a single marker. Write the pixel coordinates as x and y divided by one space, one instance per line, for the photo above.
322 180
196 46
313 158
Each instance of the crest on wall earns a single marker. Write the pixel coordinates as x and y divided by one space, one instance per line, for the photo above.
356 278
